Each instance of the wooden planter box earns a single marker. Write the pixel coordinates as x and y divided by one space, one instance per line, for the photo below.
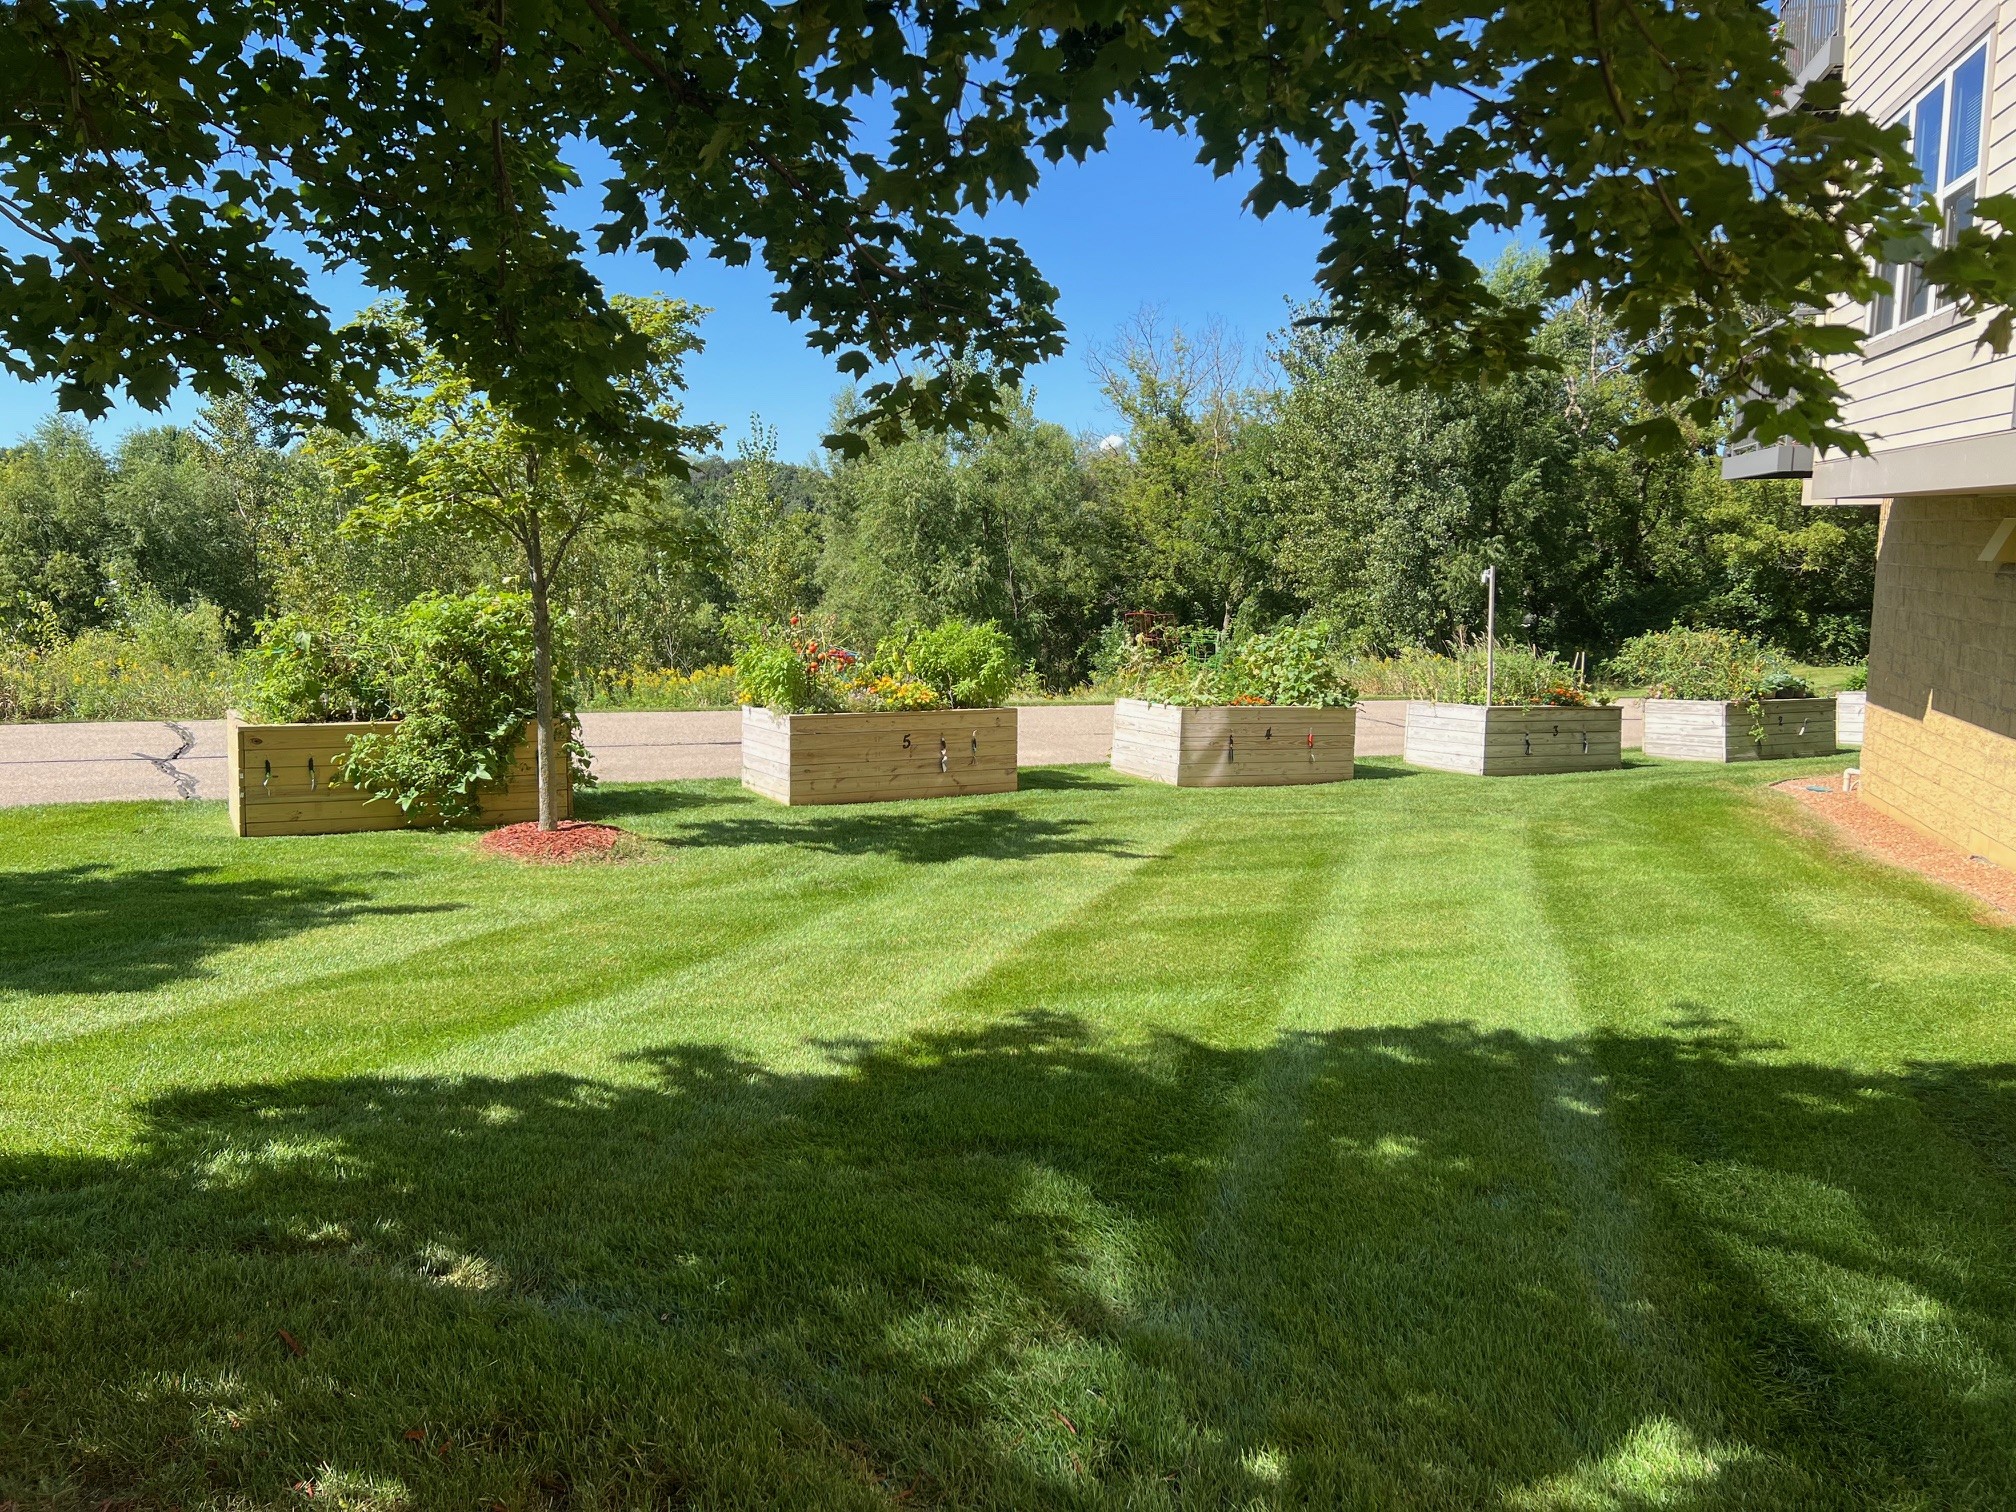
1851 713
1708 729
1511 740
1233 745
282 781
872 758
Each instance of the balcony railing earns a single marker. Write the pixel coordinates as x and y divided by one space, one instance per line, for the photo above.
1812 32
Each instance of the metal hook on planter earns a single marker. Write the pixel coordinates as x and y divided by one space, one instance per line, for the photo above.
1585 742
944 756
973 750
267 780
1312 743
1528 740
311 774
1230 754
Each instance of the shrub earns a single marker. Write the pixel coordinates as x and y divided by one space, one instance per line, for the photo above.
1193 669
1858 679
791 670
1521 675
455 672
160 662
1294 665
318 668
968 665
459 671
957 664
1717 664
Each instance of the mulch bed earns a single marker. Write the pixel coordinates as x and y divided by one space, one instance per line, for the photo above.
574 840
1889 840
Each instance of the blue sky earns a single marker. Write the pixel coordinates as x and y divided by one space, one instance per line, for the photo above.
1141 224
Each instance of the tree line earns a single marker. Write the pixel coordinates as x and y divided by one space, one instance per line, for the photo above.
1228 496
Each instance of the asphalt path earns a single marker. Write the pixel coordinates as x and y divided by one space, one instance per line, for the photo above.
81 763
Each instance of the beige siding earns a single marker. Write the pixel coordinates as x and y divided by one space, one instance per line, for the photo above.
1940 745
1941 387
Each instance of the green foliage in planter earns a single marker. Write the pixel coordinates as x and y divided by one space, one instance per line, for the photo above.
322 667
785 673
795 670
1714 664
1296 665
1516 675
454 671
968 665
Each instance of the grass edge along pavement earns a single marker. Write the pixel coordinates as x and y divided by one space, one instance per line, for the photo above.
1601 1140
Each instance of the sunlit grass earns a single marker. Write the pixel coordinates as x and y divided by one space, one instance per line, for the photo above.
1590 1142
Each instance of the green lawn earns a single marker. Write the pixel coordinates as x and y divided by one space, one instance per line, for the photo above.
1588 1142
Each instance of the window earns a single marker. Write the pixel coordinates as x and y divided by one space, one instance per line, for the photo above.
1946 124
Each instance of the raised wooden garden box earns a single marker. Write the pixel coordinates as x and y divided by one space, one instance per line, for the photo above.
1851 717
870 758
1510 740
1708 729
282 781
1233 745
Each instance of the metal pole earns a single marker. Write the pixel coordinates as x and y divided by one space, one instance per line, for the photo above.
1490 582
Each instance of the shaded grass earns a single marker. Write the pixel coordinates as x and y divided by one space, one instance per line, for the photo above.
1602 1141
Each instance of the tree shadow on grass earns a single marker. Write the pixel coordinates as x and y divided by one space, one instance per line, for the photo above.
1076 778
1021 1266
1378 769
940 831
630 802
99 928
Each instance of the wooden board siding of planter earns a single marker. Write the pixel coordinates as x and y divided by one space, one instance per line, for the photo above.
282 781
1233 745
1851 716
1708 729
1513 740
876 758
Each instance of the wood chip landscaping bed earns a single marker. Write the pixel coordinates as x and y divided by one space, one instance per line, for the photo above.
1891 840
574 840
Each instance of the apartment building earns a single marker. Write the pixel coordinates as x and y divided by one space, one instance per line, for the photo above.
1939 414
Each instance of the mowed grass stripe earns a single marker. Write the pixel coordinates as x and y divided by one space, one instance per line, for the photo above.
877 947
580 952
1097 1146
339 913
1771 1177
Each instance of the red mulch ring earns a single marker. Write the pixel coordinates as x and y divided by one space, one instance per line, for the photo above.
574 840
1889 840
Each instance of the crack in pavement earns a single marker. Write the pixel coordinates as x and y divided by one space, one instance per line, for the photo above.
185 782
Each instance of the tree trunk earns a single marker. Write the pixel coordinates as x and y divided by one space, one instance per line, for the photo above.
542 674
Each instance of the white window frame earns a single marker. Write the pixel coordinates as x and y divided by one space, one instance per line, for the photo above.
1889 312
